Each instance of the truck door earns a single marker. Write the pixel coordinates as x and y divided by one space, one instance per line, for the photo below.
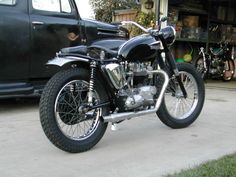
14 40
54 25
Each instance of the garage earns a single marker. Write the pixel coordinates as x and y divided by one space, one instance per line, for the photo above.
209 25
206 26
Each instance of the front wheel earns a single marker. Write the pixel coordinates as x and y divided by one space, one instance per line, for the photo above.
176 111
62 114
199 65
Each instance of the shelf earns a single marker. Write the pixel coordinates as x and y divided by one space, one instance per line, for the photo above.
191 40
214 42
217 42
212 20
192 10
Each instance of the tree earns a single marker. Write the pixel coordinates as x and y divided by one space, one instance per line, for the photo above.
104 9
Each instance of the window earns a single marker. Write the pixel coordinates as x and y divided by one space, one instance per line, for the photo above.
7 2
52 5
85 9
65 6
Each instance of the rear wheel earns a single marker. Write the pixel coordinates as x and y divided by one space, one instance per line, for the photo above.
229 69
62 114
176 111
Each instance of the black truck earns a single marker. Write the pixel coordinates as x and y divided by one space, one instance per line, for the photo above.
32 31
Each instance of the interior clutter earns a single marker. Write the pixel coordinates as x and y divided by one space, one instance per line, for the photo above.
202 23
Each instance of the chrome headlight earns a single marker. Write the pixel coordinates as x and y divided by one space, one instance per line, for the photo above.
123 32
169 34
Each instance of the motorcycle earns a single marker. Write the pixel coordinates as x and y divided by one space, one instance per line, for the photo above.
217 64
106 86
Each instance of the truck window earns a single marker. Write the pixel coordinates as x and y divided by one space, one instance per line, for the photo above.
61 6
7 2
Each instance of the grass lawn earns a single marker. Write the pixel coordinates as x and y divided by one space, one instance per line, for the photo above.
224 167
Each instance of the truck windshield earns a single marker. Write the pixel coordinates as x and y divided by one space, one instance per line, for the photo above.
85 9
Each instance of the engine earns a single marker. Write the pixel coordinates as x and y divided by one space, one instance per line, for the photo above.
217 66
133 84
141 97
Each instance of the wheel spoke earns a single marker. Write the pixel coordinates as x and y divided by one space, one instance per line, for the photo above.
178 106
70 98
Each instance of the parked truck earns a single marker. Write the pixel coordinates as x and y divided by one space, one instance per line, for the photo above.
32 31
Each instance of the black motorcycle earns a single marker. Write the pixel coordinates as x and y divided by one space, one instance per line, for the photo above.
217 64
105 86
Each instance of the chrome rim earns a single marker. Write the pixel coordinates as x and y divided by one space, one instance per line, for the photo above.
72 122
177 105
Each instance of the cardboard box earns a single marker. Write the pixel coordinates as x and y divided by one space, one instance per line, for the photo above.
191 21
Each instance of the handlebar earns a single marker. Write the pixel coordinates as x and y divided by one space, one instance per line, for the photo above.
153 32
146 30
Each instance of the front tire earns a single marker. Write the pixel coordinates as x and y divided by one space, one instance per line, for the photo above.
176 111
62 120
199 65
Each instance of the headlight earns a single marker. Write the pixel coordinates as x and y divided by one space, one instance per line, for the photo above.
169 34
123 32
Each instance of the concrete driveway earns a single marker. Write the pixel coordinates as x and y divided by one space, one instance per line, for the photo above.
141 147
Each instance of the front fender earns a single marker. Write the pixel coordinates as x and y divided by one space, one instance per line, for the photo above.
61 61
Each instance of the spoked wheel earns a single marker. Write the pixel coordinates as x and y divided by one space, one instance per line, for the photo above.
229 69
176 111
66 118
68 110
199 65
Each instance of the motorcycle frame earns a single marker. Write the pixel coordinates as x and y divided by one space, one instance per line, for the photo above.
167 65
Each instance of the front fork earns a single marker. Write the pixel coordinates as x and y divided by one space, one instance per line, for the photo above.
173 67
175 71
204 59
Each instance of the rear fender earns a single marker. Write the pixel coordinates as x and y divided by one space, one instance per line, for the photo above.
80 62
62 61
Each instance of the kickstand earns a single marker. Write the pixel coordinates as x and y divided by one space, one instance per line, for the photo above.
114 127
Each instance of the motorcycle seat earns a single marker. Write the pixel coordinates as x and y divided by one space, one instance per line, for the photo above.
110 46
96 49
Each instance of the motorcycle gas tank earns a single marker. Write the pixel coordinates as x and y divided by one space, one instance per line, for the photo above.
217 51
140 48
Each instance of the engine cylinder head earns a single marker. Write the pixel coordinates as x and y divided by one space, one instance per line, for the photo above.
116 75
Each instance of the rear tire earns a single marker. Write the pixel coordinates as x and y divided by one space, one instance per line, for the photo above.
65 126
177 111
229 69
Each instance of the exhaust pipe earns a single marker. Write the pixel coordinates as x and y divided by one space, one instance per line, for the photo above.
117 117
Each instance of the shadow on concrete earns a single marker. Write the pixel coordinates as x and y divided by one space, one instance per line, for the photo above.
10 104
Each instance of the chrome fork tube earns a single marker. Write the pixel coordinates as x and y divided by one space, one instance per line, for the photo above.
204 59
116 117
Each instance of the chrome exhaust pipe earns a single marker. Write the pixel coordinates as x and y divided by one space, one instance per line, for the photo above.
117 117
